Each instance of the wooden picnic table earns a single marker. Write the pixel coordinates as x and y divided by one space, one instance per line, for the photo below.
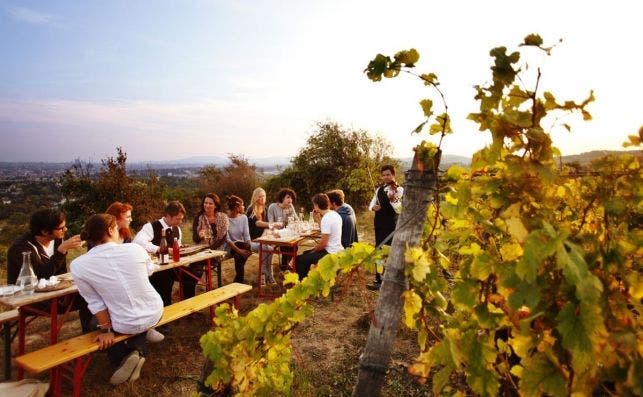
26 303
290 240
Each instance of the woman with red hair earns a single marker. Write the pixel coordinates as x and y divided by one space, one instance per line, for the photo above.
123 214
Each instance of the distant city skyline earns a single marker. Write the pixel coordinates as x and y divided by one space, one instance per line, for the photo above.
166 80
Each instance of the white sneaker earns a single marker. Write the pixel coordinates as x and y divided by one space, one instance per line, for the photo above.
124 372
153 336
137 370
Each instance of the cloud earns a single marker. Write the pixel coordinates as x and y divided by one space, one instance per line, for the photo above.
148 130
33 17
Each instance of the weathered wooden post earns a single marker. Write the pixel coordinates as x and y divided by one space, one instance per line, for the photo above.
421 181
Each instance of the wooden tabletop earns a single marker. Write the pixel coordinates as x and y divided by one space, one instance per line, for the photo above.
21 299
287 241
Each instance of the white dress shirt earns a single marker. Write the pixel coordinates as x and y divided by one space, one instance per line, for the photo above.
397 205
145 236
115 277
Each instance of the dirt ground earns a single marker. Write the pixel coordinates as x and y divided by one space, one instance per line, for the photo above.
326 346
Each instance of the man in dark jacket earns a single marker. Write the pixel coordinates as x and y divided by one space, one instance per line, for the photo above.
349 220
45 241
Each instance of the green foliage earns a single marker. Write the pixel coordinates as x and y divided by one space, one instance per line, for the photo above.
549 260
239 178
251 354
85 195
335 157
541 264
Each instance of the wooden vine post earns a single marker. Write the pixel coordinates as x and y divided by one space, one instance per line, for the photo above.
419 189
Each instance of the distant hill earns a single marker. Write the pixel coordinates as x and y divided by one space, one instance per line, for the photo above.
588 157
200 161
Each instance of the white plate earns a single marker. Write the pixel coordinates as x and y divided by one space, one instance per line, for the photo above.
8 290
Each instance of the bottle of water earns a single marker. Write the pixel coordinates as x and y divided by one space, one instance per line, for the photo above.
27 279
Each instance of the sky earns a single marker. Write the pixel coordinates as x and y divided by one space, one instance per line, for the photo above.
169 79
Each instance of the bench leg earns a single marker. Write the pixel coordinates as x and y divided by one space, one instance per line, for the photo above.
21 339
80 366
7 350
55 382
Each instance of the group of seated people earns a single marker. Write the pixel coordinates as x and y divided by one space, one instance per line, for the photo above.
120 292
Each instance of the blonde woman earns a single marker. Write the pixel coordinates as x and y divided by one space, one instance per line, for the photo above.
258 223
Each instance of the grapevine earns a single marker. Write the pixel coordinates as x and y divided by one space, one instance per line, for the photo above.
546 294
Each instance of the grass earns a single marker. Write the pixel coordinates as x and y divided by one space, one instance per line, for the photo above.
326 346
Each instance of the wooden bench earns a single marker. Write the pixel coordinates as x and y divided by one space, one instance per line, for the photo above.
80 347
7 319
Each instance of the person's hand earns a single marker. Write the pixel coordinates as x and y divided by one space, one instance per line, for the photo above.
376 207
104 340
245 253
70 243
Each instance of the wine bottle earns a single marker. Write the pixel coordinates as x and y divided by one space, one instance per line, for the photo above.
176 255
163 249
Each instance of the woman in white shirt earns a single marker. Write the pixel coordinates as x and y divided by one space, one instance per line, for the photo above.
113 279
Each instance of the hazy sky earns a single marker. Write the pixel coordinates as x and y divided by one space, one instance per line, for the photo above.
173 79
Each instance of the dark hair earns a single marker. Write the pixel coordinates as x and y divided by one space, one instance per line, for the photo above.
387 167
96 229
336 197
215 198
233 202
283 192
321 200
173 208
45 219
118 209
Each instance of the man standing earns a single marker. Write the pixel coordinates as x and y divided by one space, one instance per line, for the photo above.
387 204
346 212
48 254
150 237
331 236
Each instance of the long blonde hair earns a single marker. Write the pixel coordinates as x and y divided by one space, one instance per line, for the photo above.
256 212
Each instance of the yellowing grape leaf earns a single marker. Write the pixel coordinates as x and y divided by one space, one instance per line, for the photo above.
515 227
541 377
511 251
412 306
418 262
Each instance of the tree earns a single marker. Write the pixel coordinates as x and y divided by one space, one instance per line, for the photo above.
335 158
239 177
85 194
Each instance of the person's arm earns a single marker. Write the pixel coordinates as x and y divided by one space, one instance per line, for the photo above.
222 224
272 216
347 230
322 243
105 338
374 205
263 221
14 262
195 230
246 229
397 204
144 238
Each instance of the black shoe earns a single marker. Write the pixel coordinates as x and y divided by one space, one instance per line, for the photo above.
374 287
